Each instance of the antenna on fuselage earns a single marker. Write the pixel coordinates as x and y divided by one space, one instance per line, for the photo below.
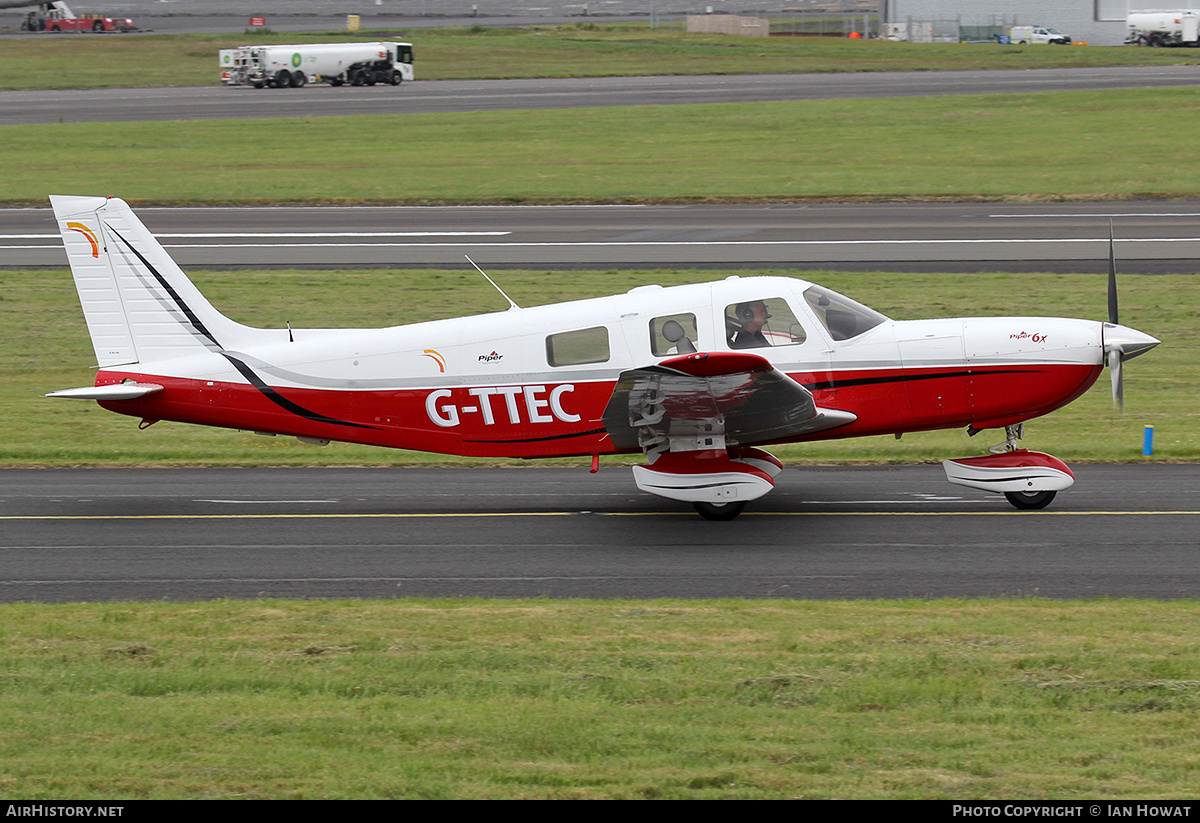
511 304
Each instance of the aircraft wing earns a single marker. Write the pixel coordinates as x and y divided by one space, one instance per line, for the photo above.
711 400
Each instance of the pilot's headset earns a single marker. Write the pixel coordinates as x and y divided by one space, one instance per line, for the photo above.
745 311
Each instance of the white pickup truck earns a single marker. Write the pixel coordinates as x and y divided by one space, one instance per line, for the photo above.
1022 35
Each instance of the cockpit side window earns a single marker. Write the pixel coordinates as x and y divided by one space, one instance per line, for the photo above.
842 317
767 322
673 334
574 348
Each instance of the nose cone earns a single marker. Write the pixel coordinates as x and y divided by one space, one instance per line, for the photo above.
1129 343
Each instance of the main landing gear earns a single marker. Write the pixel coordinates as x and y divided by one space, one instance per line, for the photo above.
719 511
1027 479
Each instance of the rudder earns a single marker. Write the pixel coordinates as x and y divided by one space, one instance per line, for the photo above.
139 305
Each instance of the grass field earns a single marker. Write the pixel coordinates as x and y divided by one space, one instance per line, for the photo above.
1054 145
45 347
567 51
982 700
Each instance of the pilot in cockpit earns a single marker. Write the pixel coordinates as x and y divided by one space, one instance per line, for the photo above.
751 316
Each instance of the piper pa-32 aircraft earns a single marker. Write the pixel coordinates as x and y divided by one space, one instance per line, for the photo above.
697 378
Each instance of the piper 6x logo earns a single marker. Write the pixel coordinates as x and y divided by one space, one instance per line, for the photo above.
494 403
1036 337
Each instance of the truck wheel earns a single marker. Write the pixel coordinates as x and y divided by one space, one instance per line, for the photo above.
337 81
283 79
298 79
357 78
397 77
372 78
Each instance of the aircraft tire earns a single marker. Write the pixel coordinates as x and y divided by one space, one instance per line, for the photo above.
719 511
1030 500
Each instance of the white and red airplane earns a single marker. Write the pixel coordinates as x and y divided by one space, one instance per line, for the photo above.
697 377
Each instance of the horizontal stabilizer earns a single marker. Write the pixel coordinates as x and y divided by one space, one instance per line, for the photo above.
116 391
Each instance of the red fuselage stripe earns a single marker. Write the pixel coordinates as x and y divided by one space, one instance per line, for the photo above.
523 422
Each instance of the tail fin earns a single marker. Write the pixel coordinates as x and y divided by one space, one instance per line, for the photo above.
140 307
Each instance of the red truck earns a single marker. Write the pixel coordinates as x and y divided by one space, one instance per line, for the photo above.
57 16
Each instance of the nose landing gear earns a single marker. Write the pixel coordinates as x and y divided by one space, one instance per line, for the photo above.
1028 479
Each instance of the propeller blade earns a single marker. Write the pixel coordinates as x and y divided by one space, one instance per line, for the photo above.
1118 380
1112 278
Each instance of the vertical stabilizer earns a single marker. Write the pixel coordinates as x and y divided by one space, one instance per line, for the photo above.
140 307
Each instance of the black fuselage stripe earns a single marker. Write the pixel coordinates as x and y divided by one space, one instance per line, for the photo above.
288 405
183 307
246 372
907 378
588 433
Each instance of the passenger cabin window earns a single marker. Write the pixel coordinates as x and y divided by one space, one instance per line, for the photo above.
673 334
842 317
762 323
574 348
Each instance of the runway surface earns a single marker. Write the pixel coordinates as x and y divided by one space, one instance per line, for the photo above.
455 96
824 533
1151 236
177 534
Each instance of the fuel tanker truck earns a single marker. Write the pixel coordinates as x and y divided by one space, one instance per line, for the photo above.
359 64
1180 27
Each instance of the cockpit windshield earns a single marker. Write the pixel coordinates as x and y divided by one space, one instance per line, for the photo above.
842 317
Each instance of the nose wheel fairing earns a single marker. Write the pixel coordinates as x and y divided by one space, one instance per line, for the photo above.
1019 472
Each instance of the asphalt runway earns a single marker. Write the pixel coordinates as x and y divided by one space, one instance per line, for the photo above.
457 96
824 533
1151 237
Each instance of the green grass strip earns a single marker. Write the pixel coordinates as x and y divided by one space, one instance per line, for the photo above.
950 699
84 61
1013 146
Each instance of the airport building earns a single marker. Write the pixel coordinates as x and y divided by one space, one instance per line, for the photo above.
1097 22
